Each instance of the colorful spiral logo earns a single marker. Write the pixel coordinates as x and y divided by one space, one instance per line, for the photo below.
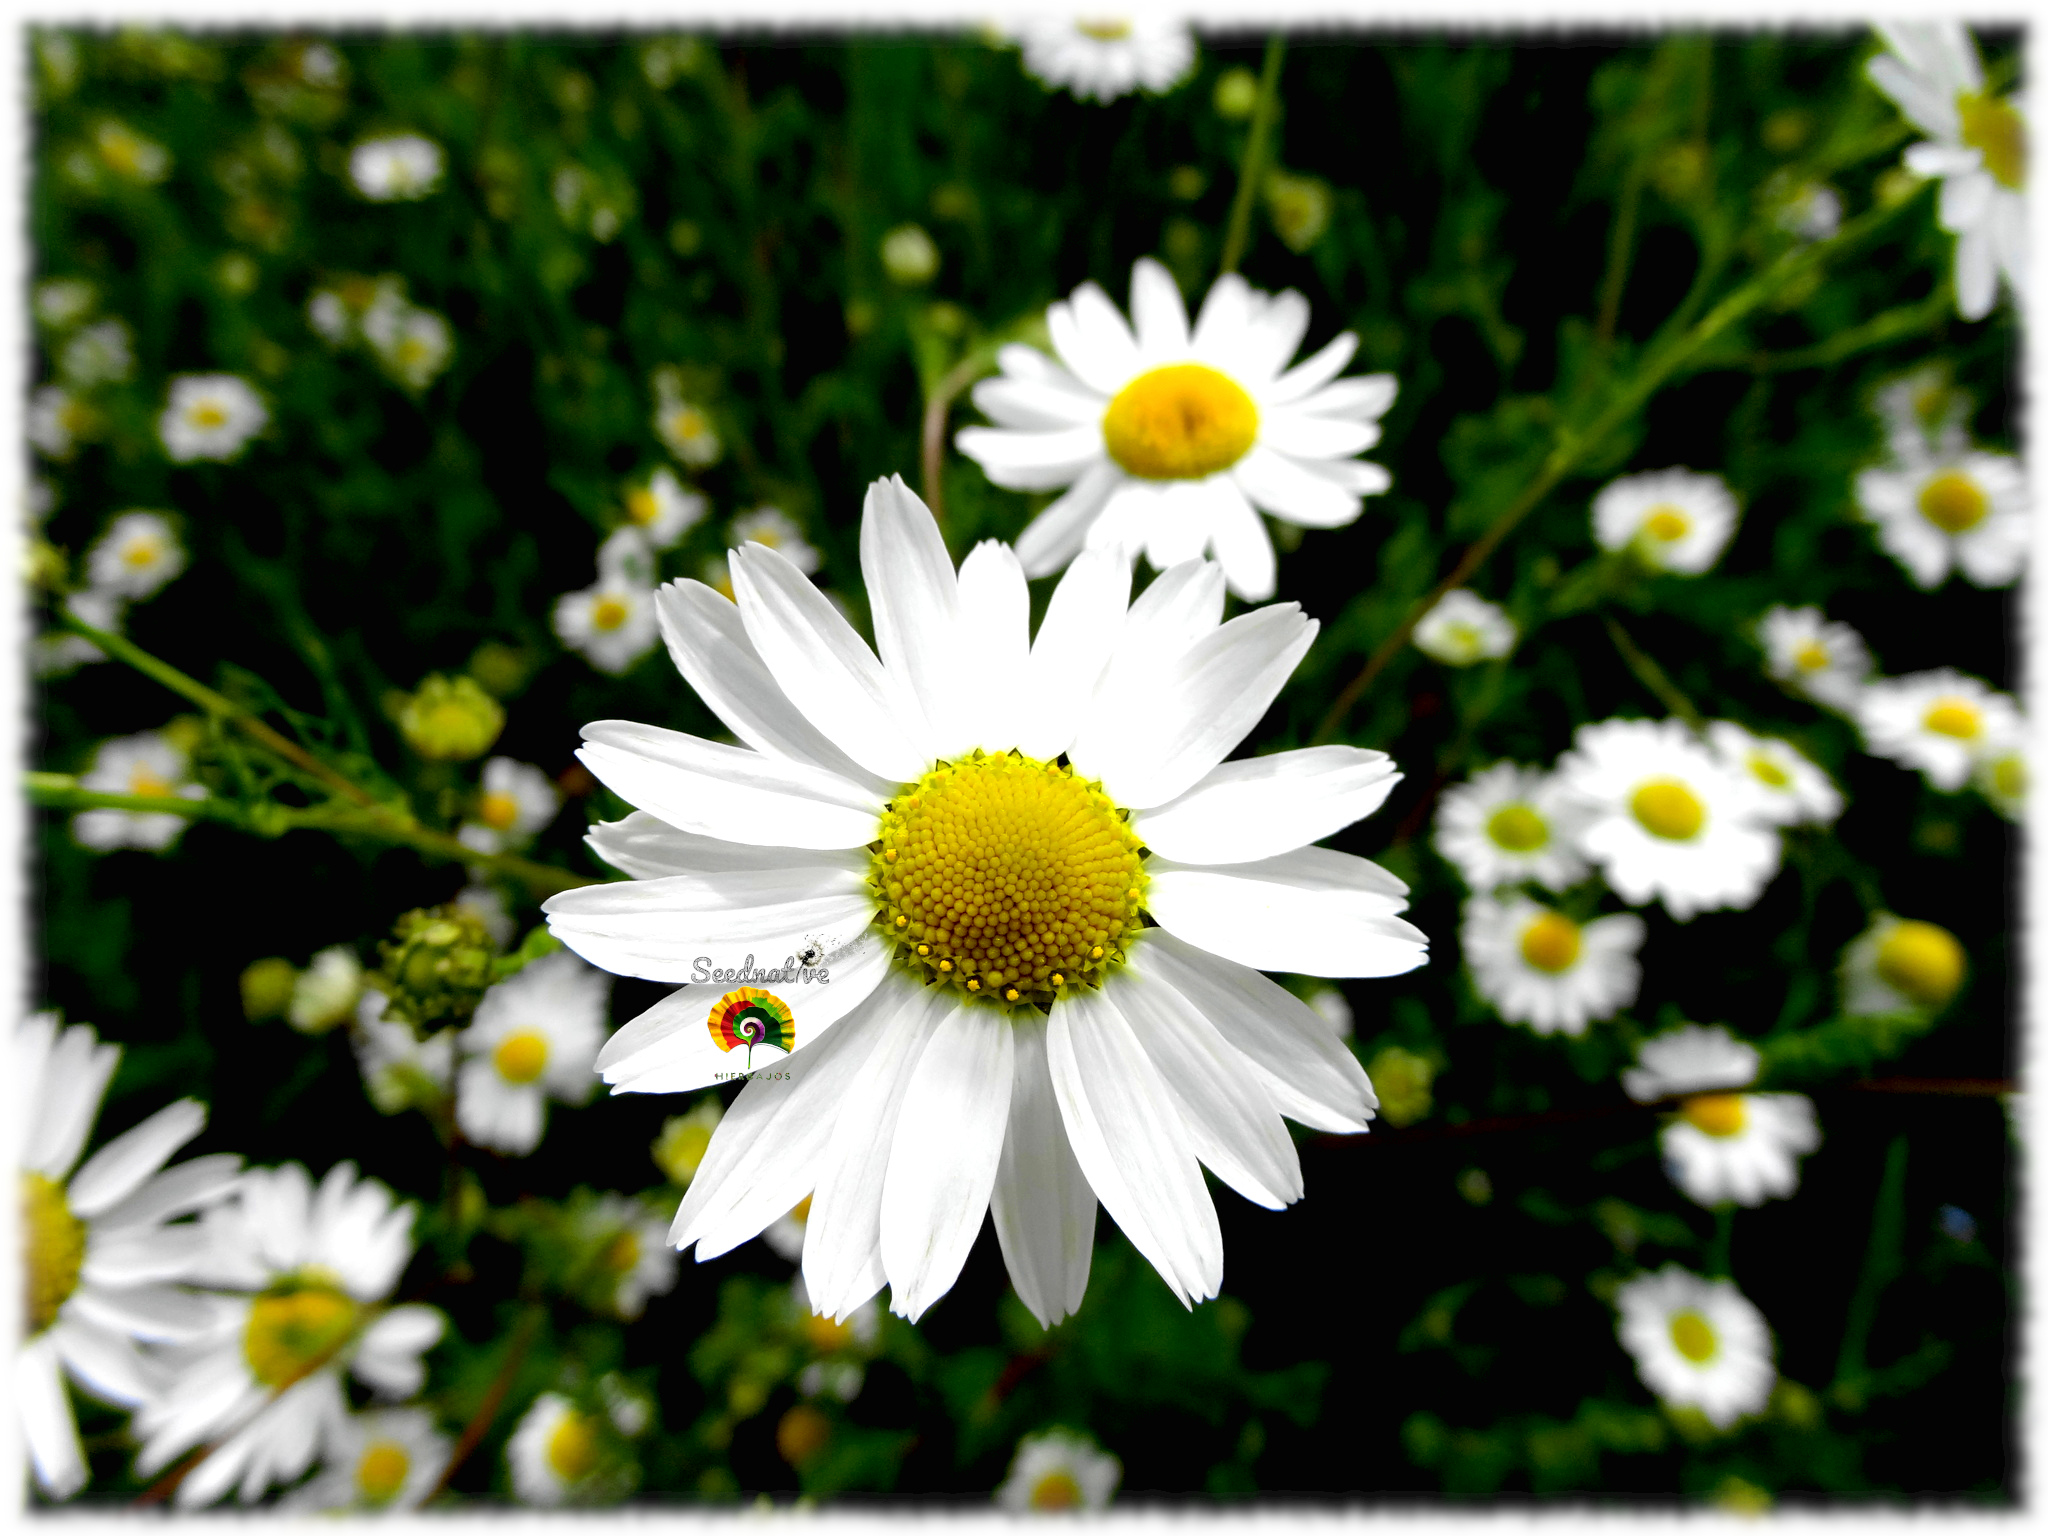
749 1017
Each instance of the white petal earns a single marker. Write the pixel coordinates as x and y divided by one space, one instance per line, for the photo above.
1279 485
137 1256
1260 806
1179 525
102 1362
914 597
1033 405
1976 275
190 1186
991 647
1222 327
1314 372
1032 461
647 848
1276 332
73 1081
1315 437
1043 1207
159 1313
1082 626
1314 912
46 1421
1361 399
388 1359
1093 340
1243 547
1157 311
1058 533
120 1168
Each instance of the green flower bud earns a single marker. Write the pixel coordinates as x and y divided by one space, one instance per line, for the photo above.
451 719
1237 93
267 988
1299 207
1401 1079
436 966
908 255
500 669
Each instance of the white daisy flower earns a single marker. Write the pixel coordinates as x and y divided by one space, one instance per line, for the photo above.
1058 1469
1939 722
486 903
399 167
1792 789
626 556
635 1257
1464 628
687 432
61 302
1961 510
1697 1343
1694 1058
775 529
1924 413
143 764
263 1383
1100 58
610 624
2001 773
210 416
1166 439
662 510
1538 967
1668 821
1740 1147
388 1458
1976 146
1812 212
556 1454
1674 519
400 1070
57 420
59 651
1334 1009
1812 654
960 1051
518 800
136 556
100 1247
326 992
413 344
1901 965
1509 824
99 354
533 1038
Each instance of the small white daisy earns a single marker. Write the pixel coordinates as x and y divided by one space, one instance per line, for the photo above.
326 992
557 1454
775 529
2001 773
1100 58
99 354
400 1070
136 556
61 302
634 1258
1812 212
1694 1058
1697 1343
1792 789
1464 628
517 801
143 764
626 557
1170 439
210 416
1674 519
1939 722
534 1038
1962 510
663 510
486 903
412 343
385 1459
1668 822
58 651
1924 413
57 421
1058 1469
1812 654
1739 1147
687 431
1508 824
611 624
1538 967
1901 966
396 168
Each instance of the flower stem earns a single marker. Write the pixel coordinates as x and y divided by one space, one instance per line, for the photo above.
1881 1265
1652 676
494 1396
1251 172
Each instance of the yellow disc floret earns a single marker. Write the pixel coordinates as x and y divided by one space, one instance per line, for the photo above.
572 1448
1668 809
381 1471
1995 129
1517 828
1812 656
1922 960
1718 1114
1954 717
1666 524
295 1327
53 1248
996 874
521 1056
1769 771
1953 502
1056 1490
1550 943
1181 422
1693 1337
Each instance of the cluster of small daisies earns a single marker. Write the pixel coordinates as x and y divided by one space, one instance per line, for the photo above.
411 344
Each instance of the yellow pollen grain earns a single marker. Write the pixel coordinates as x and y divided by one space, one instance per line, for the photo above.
607 614
1718 1114
1666 524
1517 828
1811 657
1550 943
380 1472
53 1248
1693 1337
1950 716
1668 809
1922 960
499 811
1953 502
521 1056
1185 421
572 1448
1995 129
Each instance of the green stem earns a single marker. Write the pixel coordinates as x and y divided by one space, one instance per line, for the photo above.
1720 1249
1620 245
1880 330
1652 676
1881 1265
1251 172
494 1395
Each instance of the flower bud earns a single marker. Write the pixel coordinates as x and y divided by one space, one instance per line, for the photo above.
1299 207
1401 1079
325 993
679 1150
437 965
908 255
451 719
267 988
1237 93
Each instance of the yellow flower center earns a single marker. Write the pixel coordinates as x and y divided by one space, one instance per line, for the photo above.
802 1433
1693 1337
1769 771
142 552
826 1335
608 614
499 811
521 1056
1181 422
122 150
411 352
1056 1490
1551 942
1953 717
53 1250
1667 809
381 1470
1103 30
1462 639
622 1252
642 507
1666 524
296 1327
1812 656
1953 502
1518 829
142 782
1995 129
572 1448
686 422
1007 878
1923 961
1718 1114
207 416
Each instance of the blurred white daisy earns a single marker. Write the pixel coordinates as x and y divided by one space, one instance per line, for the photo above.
58 651
57 421
1739 1147
210 416
99 354
634 1259
385 1459
1939 722
1059 1469
1814 655
398 167
143 764
1812 211
1694 1058
1697 1343
610 624
626 556
1924 413
909 255
400 1070
662 510
1964 510
1901 965
136 556
684 428
101 1247
1792 789
557 1454
1508 824
775 529
326 992
2001 774
412 343
486 903
1669 822
1166 439
1674 519
1538 967
61 302
517 801
533 1038
1464 628
1100 58
128 154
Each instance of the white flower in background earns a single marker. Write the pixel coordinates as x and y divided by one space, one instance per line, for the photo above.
533 1038
919 1094
684 428
1924 413
773 528
1976 146
1792 789
210 416
399 1069
59 651
326 992
785 1234
1812 212
397 168
143 764
127 153
1509 824
327 312
1674 519
1694 1058
518 800
136 556
1100 58
662 510
388 1458
1538 967
1669 822
679 1150
855 1334
413 344
1333 1009
57 420
1739 1147
1939 722
634 1256
486 903
336 314
556 1454
1697 1343
264 1381
1464 628
626 556
2001 773
1901 965
1167 439
1962 510
1812 654
100 1247
611 624
61 302
1058 1469
99 354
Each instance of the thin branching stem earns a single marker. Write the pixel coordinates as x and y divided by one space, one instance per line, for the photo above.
1251 173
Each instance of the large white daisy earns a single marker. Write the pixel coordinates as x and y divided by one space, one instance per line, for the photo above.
1166 439
1697 1343
1960 510
1939 722
1811 653
1674 519
957 831
1100 58
1539 967
533 1038
101 1247
1791 788
1508 824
